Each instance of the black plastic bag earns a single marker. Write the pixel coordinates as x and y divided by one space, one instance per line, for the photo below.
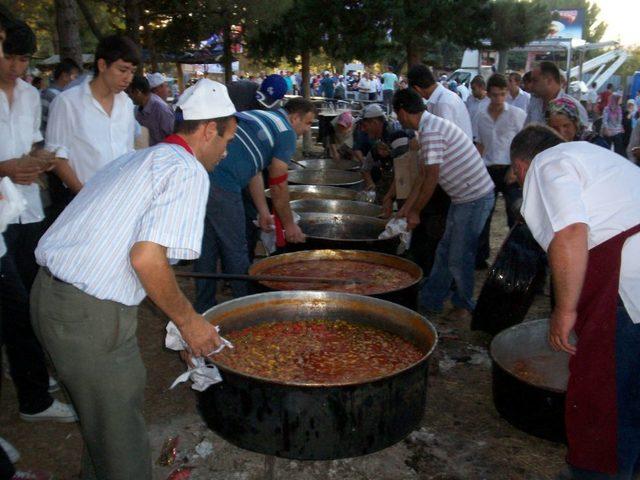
514 278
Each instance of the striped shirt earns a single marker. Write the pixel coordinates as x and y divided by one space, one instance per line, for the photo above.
462 172
157 195
261 136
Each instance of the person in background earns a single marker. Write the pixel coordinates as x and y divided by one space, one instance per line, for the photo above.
327 86
478 98
289 79
527 82
23 162
464 92
159 85
37 83
547 85
633 149
517 97
389 85
93 123
449 158
629 120
64 73
496 125
603 99
340 136
563 117
366 87
340 93
592 100
151 111
581 204
612 129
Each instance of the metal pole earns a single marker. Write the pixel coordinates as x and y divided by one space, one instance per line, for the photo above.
566 87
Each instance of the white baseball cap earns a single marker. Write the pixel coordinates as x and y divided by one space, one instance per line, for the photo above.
372 111
204 100
156 79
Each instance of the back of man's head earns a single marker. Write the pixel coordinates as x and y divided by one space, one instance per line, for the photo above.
496 80
550 70
408 100
66 65
420 76
140 84
478 80
300 106
114 48
532 140
515 77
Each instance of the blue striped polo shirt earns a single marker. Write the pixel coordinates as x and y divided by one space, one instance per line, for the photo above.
261 136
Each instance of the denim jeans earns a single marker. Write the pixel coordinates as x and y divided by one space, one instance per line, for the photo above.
224 239
456 255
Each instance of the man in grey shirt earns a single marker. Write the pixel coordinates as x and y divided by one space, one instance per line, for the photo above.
151 111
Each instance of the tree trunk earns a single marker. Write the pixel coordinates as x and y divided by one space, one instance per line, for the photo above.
306 93
68 32
502 61
86 13
414 54
180 77
132 18
227 58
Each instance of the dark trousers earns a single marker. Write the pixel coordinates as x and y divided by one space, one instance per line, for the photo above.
27 364
511 193
617 141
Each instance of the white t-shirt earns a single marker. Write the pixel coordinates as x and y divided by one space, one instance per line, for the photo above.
81 131
19 130
446 104
365 85
496 136
578 182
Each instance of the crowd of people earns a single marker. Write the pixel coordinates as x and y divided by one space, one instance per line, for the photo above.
114 184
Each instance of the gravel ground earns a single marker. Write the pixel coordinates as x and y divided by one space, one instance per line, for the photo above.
461 437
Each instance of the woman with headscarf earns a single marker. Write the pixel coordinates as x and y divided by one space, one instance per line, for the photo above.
612 128
563 116
629 121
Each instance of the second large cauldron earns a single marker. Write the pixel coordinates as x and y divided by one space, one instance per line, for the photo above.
318 422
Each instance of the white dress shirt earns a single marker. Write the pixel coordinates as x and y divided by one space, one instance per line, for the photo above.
521 100
495 136
536 109
19 130
80 130
448 105
578 182
157 195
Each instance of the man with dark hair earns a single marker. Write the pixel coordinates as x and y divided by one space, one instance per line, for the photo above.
441 101
22 162
547 85
581 202
495 127
603 98
107 251
527 83
93 123
517 97
389 85
64 73
152 112
265 140
448 158
478 98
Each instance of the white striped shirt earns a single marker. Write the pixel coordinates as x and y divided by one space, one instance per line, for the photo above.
158 195
463 174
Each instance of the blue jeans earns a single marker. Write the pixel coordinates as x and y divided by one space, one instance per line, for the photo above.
456 255
224 239
628 399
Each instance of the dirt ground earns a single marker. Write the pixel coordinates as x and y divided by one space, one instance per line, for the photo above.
462 436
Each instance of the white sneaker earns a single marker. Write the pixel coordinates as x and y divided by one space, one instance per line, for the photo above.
57 412
10 450
54 386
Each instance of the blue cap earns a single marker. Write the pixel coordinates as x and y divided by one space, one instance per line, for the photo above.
271 91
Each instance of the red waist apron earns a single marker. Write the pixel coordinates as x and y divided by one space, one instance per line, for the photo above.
591 407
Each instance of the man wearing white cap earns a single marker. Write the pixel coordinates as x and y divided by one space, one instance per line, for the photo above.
108 250
159 85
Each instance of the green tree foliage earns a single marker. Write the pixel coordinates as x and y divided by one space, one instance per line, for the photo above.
514 23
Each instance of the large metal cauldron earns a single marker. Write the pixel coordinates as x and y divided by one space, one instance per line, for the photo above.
318 422
346 232
301 192
406 296
329 177
325 163
349 207
530 380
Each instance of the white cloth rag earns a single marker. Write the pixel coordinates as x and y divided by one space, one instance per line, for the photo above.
202 374
12 205
395 227
268 239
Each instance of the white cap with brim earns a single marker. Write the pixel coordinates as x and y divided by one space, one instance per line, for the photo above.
372 111
205 100
157 79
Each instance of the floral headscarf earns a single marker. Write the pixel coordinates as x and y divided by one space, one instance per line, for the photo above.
567 107
614 109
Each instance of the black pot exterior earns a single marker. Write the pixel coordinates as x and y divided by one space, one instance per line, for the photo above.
534 410
316 423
